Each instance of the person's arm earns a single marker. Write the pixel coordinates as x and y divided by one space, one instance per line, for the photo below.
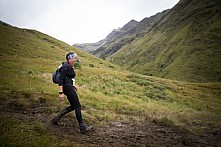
61 82
61 93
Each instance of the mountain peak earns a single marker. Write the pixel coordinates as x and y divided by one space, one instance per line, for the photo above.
129 25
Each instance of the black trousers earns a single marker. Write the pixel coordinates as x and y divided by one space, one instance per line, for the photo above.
72 96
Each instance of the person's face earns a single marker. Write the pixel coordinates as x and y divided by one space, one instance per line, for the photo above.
72 60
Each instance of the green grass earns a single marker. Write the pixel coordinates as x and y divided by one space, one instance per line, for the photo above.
17 133
107 92
184 45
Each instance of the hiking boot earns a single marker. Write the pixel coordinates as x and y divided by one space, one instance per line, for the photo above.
84 129
56 120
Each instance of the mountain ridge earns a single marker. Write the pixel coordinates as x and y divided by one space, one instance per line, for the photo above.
104 47
182 44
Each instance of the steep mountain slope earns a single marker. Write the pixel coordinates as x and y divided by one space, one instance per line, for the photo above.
183 45
125 108
120 37
127 34
30 52
92 47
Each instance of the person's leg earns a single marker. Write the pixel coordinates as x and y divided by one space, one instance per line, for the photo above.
57 118
74 101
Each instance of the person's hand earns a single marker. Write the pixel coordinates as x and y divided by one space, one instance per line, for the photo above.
61 97
75 88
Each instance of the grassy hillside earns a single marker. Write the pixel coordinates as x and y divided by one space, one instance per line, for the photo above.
184 45
122 36
125 109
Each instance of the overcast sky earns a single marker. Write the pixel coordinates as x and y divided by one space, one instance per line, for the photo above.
78 21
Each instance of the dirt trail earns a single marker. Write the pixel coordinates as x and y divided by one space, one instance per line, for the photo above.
116 133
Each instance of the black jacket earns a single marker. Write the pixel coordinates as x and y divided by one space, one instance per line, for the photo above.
67 73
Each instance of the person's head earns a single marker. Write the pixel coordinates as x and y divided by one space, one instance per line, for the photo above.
71 57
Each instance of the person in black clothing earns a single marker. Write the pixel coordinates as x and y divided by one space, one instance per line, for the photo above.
66 87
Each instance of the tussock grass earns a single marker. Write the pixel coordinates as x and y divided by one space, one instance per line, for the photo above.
183 45
107 92
17 133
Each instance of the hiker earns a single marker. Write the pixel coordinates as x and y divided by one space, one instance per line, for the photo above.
67 88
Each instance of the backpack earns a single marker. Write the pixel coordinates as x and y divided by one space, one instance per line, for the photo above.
56 74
